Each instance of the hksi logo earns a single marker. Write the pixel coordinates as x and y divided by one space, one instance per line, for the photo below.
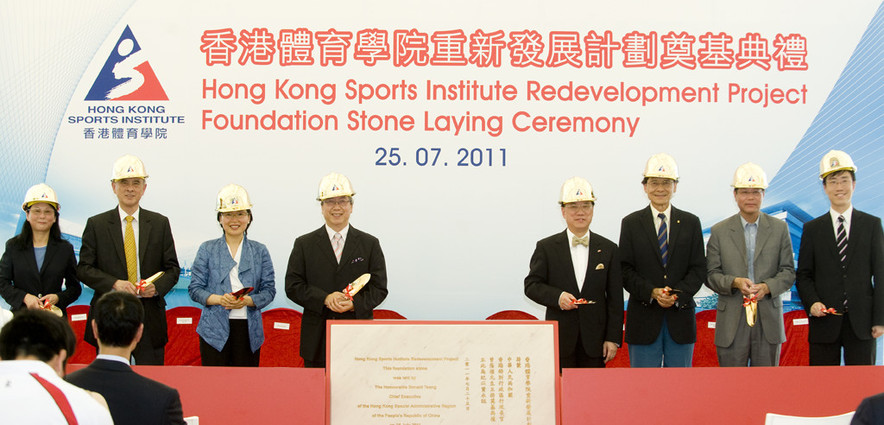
126 75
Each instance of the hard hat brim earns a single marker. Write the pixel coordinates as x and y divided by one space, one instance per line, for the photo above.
322 198
29 204
847 168
224 210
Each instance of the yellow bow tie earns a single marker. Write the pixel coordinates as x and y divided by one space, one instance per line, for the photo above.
580 241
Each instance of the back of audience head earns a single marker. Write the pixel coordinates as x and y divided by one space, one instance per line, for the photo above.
118 318
38 335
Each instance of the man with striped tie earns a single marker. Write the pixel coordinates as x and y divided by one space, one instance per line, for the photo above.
661 249
839 262
326 260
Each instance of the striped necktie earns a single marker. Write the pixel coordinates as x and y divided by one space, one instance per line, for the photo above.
841 238
338 245
663 239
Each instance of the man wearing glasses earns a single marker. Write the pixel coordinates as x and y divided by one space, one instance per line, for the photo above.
324 262
576 275
750 265
125 246
839 262
663 267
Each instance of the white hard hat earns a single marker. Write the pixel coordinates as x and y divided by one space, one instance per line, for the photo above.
334 185
750 176
661 165
128 167
576 189
40 193
835 161
233 197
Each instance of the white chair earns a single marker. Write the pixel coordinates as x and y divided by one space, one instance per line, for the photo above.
775 419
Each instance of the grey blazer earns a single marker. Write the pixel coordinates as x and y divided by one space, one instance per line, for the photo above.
774 265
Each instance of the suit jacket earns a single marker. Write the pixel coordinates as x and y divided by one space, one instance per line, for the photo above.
19 275
313 273
773 265
870 411
821 278
103 262
643 271
552 272
132 398
210 275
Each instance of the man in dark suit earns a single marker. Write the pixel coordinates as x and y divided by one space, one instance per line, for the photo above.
132 398
839 262
324 262
750 266
126 245
576 275
661 248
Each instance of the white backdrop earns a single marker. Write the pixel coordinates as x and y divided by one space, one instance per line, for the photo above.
457 239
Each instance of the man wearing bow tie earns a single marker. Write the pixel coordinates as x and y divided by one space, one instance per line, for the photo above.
663 267
576 275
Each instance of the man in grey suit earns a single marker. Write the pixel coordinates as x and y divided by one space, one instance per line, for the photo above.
325 261
750 265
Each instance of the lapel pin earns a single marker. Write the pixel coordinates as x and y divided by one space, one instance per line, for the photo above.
600 266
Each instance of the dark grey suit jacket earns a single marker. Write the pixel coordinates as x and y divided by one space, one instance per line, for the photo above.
313 273
103 262
132 398
552 272
773 265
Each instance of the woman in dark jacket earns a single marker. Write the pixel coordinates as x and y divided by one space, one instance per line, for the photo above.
38 268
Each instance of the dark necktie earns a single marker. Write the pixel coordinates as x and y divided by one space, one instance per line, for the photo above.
841 238
663 239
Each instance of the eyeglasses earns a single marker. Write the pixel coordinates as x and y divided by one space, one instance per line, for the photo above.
657 182
750 192
235 214
579 206
41 211
131 182
337 202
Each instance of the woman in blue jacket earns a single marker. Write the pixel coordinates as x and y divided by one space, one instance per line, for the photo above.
224 270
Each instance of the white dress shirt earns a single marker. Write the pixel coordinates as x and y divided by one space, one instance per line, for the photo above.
579 259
